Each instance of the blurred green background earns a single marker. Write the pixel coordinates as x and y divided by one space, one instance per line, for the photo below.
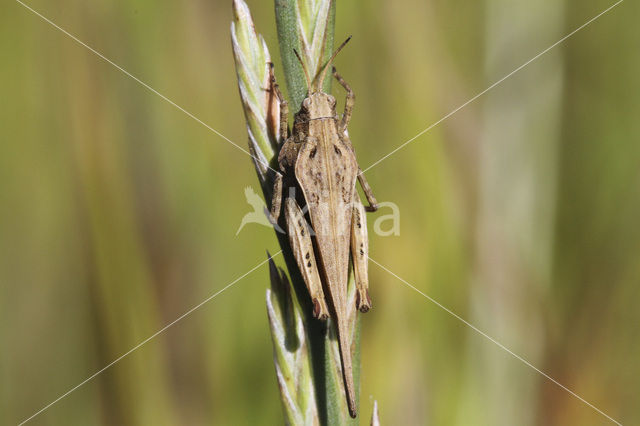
520 213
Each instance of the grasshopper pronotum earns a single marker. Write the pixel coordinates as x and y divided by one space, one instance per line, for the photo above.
318 159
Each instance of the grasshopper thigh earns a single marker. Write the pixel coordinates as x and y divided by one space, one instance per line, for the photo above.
302 248
360 255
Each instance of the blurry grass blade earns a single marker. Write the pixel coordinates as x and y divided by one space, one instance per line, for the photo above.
306 26
260 107
290 351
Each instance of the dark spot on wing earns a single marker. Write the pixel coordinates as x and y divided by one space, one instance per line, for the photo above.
337 150
307 256
346 196
313 153
308 264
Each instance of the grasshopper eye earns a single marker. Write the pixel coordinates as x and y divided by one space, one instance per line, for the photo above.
306 103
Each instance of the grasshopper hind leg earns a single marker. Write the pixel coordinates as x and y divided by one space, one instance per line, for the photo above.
360 255
302 247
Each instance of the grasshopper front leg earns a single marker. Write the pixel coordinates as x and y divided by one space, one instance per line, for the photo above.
276 200
360 255
346 116
284 107
349 102
302 248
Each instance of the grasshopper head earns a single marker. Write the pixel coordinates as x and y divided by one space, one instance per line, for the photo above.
319 105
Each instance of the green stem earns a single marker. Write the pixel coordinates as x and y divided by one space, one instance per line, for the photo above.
289 38
301 27
306 351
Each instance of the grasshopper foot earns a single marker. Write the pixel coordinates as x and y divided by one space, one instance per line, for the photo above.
371 208
363 301
320 310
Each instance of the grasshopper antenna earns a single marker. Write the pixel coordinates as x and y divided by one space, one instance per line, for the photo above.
304 68
326 66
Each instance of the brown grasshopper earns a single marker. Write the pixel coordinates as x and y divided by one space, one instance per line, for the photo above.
318 158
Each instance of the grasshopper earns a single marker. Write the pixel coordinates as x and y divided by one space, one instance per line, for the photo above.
318 158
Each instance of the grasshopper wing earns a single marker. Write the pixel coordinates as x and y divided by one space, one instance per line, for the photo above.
326 171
